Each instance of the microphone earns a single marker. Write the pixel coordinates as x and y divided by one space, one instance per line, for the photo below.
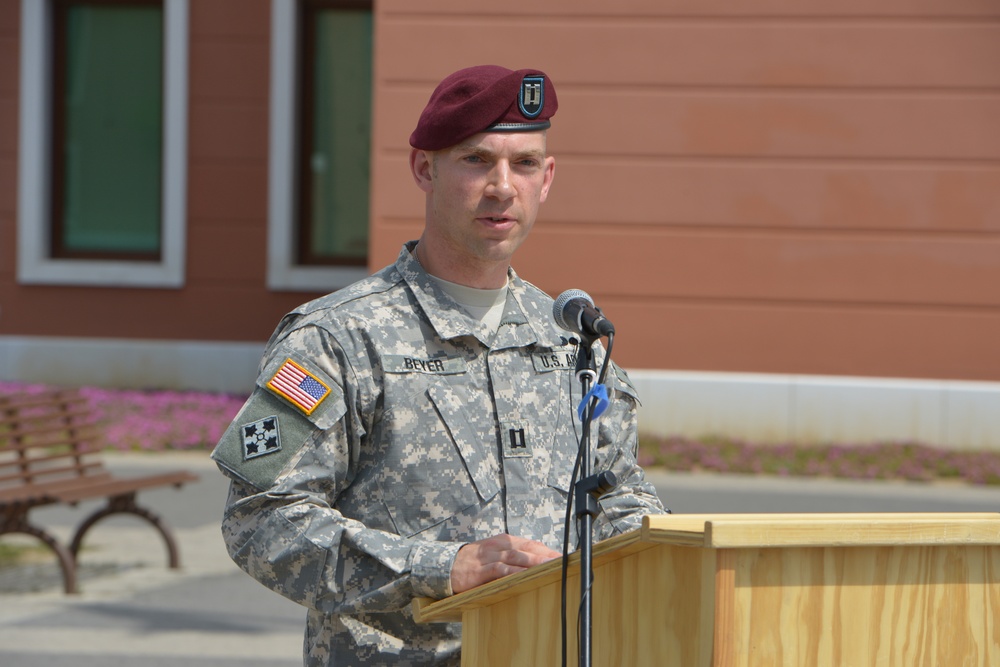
575 311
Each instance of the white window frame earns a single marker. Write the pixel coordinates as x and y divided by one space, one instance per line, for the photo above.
34 262
283 273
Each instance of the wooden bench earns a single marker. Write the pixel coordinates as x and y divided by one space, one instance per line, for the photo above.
49 455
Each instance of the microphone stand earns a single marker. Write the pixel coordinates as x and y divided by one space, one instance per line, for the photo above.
587 490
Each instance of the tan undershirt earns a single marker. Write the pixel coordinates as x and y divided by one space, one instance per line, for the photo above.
484 305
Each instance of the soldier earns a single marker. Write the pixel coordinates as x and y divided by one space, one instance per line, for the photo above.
414 434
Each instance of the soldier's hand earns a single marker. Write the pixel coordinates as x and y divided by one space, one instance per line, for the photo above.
483 561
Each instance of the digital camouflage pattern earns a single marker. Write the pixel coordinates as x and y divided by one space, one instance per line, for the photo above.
434 433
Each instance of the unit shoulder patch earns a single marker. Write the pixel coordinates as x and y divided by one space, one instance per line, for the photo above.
265 437
261 438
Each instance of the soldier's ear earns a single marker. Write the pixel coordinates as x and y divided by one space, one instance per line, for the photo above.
421 166
550 174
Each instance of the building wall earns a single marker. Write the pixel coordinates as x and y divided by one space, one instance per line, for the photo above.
796 189
789 187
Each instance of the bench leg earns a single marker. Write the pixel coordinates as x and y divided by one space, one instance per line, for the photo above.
125 504
67 562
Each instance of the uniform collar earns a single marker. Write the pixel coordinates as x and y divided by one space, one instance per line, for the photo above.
530 324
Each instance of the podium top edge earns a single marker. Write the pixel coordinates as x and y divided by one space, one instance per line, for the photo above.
822 529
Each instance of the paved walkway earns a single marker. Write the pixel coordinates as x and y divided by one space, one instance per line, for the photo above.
134 611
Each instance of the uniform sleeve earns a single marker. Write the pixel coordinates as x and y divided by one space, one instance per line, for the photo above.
623 508
289 459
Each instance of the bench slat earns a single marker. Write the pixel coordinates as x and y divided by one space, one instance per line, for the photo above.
120 486
45 399
52 489
20 429
83 469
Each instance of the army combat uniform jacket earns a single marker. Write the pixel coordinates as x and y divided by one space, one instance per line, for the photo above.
388 429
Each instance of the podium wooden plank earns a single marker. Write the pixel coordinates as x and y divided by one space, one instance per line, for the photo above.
899 605
654 609
787 530
723 654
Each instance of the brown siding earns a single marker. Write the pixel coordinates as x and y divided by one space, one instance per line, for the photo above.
10 59
227 184
782 187
779 186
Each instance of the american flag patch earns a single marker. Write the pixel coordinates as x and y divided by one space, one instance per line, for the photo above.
300 387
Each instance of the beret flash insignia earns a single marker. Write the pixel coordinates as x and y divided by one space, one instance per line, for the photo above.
531 97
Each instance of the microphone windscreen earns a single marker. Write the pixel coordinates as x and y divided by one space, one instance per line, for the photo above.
559 306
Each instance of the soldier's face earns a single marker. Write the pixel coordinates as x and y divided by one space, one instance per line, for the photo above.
484 193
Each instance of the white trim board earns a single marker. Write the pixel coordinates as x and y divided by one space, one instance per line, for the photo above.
226 367
819 409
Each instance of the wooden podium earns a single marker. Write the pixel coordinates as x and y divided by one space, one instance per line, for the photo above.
735 590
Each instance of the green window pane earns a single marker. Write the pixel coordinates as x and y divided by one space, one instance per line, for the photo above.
338 165
112 129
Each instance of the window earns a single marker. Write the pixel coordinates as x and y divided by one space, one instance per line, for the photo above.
320 143
102 197
107 129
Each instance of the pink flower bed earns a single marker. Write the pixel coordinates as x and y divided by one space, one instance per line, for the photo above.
154 420
889 460
188 420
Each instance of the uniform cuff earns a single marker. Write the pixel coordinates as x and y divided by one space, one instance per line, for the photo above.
430 568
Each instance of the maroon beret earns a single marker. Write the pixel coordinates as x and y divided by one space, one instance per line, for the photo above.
485 98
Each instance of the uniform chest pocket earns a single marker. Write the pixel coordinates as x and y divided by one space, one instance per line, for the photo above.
543 395
436 465
561 469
